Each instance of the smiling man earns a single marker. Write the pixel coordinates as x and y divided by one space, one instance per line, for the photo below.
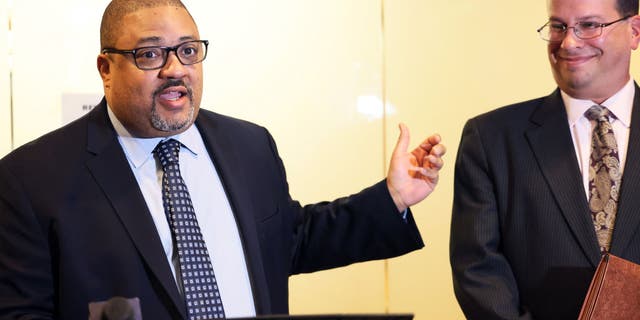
174 211
540 192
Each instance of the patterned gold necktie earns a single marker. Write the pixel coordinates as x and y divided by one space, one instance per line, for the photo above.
604 175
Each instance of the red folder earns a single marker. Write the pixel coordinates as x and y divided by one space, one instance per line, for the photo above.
614 292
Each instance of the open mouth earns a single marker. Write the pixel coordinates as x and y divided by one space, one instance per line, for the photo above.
173 94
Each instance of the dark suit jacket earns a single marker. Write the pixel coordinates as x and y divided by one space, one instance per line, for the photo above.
74 227
523 244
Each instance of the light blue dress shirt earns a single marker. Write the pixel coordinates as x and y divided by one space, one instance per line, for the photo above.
215 217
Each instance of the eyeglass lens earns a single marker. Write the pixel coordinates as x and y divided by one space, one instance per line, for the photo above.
188 53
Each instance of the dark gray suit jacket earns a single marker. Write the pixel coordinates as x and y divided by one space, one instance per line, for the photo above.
523 245
74 226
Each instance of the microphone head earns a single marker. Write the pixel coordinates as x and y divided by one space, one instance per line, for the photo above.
118 308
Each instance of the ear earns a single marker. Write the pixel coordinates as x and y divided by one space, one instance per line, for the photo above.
104 67
634 22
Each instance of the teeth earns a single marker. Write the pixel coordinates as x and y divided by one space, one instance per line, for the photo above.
171 96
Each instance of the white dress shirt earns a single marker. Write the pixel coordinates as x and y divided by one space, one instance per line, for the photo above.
213 211
621 105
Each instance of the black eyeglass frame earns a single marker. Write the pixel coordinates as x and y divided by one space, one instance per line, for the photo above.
167 50
600 26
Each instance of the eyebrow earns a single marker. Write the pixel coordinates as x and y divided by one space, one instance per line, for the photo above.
583 18
158 40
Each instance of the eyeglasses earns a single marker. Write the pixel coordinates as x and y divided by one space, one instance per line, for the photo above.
151 58
556 31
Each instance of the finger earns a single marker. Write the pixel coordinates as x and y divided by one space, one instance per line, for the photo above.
403 140
432 175
427 173
420 153
433 162
438 150
431 141
434 139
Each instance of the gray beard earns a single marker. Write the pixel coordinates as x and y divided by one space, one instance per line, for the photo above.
169 126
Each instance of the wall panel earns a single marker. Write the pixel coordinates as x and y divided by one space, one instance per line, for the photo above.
54 54
5 98
310 71
446 62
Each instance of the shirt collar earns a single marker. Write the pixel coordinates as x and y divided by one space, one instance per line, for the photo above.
140 150
620 104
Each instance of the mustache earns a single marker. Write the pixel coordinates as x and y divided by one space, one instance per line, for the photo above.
173 83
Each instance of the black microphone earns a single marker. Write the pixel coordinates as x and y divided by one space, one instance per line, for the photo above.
116 308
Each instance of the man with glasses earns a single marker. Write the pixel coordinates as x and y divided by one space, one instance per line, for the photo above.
151 205
544 187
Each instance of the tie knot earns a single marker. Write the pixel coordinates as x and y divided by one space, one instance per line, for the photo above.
168 151
598 113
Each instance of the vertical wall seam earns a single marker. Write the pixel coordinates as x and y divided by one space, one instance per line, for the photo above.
10 64
385 153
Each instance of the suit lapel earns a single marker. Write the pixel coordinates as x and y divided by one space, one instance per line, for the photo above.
224 153
553 148
627 217
111 171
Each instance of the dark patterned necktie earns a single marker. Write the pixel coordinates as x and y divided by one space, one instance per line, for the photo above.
201 293
604 175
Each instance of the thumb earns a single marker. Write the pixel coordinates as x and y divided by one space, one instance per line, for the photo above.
403 140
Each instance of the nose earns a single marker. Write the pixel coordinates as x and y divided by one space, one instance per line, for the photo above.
570 39
173 69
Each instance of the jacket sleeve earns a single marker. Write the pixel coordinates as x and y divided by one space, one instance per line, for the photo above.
26 283
483 280
360 227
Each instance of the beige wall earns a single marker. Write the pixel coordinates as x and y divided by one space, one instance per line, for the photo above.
55 50
331 79
5 111
446 62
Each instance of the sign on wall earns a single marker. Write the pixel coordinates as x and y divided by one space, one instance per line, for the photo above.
75 105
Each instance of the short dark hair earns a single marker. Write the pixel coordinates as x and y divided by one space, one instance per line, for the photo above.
627 7
117 9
